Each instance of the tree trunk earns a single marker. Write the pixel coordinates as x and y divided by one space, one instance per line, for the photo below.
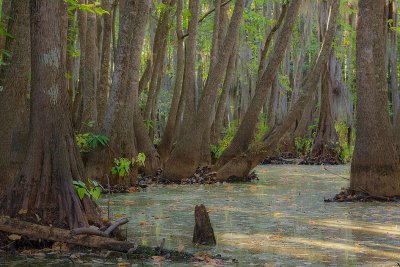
203 232
159 51
205 153
189 78
144 80
118 121
185 157
223 99
82 31
325 144
44 185
14 91
104 84
89 92
244 163
245 133
374 168
170 130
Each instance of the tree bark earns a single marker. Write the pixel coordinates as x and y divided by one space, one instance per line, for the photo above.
89 91
223 99
82 31
104 80
205 153
203 232
118 121
185 157
325 144
44 185
14 92
164 148
189 78
159 51
245 133
241 165
374 168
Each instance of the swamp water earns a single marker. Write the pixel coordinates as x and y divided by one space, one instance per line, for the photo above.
280 220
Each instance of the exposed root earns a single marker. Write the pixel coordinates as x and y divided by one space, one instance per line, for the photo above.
350 195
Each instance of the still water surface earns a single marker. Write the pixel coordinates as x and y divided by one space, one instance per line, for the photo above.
280 220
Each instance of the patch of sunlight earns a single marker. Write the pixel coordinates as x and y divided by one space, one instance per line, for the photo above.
356 248
372 228
271 244
289 246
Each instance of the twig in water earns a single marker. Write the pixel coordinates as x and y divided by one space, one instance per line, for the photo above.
345 178
109 197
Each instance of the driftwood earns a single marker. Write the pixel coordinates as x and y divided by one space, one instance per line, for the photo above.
203 232
95 231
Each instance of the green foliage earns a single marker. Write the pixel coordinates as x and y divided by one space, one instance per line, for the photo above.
89 141
149 124
3 30
90 8
72 37
123 166
303 145
228 133
92 190
346 147
262 127
140 159
73 31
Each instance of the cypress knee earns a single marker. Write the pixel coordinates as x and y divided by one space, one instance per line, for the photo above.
203 232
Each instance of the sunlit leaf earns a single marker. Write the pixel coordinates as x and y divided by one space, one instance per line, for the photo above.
14 237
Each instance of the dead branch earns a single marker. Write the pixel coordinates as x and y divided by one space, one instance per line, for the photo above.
95 231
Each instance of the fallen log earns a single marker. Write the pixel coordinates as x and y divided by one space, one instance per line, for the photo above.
36 231
42 232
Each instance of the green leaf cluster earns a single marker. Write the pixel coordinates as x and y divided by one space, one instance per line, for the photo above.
90 8
122 166
303 145
92 190
227 137
90 141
